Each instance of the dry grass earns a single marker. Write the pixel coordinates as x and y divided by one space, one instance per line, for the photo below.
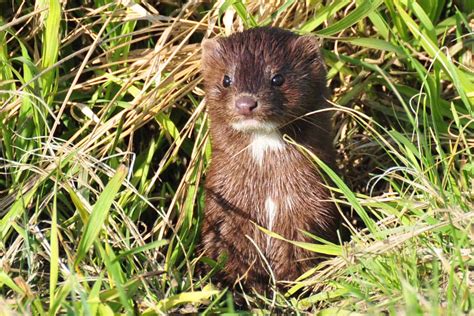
104 148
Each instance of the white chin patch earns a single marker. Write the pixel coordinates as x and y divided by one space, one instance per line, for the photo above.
264 137
252 126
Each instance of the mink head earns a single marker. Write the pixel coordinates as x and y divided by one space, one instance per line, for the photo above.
262 79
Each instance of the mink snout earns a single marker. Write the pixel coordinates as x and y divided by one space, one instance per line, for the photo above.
245 104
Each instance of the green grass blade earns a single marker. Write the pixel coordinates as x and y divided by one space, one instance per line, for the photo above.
51 39
149 246
341 185
459 79
61 295
323 15
375 43
54 260
183 298
331 250
93 298
99 213
363 9
244 14
5 280
16 210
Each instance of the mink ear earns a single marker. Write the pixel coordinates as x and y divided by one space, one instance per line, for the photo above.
210 51
309 45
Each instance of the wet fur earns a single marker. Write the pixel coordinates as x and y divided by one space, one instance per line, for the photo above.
240 190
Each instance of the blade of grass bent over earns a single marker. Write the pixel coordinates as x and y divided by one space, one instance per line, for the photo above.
341 185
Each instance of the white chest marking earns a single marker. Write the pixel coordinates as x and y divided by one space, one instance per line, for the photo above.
289 202
262 142
271 209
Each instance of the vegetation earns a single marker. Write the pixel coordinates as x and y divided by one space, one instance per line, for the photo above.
104 147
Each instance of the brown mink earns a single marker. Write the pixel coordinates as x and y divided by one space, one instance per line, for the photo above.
259 84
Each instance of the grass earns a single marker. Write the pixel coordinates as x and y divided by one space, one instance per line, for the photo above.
104 147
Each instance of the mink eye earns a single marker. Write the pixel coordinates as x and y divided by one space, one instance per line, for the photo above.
226 82
278 80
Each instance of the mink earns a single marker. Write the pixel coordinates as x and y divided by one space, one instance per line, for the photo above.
260 85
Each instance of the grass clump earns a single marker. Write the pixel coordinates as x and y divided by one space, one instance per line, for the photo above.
104 146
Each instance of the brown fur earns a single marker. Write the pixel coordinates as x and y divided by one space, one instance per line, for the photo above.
236 186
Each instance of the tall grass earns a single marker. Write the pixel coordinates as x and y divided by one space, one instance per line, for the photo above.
104 147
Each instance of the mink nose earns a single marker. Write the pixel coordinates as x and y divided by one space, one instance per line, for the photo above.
245 105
